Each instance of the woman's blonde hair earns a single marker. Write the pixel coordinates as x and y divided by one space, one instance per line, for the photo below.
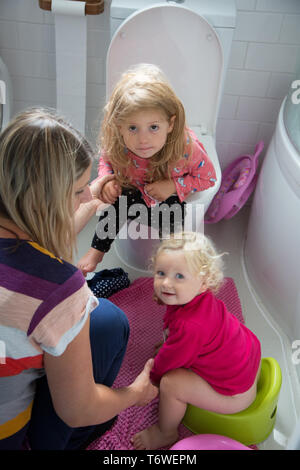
142 87
41 157
200 254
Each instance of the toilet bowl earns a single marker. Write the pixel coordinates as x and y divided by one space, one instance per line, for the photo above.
190 42
5 96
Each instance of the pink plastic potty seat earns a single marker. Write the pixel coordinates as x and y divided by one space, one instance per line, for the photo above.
238 181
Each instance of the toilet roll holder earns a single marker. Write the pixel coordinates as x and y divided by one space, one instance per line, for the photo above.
92 7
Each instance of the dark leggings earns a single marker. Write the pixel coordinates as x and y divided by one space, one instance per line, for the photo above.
121 211
109 332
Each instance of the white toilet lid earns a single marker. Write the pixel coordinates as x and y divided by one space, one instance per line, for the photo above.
184 45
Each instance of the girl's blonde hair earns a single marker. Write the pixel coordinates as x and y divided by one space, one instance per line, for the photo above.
41 157
200 254
142 87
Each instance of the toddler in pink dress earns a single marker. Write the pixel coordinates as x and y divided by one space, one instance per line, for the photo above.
209 358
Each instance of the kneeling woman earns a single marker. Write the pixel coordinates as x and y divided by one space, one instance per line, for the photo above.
63 347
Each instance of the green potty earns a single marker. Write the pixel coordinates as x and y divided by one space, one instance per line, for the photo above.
249 426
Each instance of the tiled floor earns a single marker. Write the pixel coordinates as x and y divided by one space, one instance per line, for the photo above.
229 236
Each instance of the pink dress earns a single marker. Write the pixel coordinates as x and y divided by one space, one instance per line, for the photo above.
205 337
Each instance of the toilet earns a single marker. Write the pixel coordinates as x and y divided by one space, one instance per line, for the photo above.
5 95
190 41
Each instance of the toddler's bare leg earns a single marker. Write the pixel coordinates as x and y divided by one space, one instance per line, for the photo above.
88 263
171 412
177 388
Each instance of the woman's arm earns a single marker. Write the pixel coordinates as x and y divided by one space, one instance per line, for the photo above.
85 212
88 209
77 399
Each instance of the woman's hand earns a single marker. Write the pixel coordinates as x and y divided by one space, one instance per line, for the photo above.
95 189
161 190
143 386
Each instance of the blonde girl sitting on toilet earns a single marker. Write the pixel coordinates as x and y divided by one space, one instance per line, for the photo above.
209 359
147 154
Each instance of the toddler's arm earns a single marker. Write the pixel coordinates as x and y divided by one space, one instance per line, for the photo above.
111 190
179 350
105 174
200 174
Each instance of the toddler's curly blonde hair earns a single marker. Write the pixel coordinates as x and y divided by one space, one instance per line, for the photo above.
200 254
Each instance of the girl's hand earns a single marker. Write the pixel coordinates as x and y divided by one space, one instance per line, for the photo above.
111 191
161 190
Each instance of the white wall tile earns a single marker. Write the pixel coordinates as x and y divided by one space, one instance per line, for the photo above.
235 150
93 123
272 57
237 131
95 95
279 84
247 82
36 37
223 153
283 6
238 54
258 109
97 43
8 35
29 63
20 105
228 106
258 27
95 70
290 32
34 89
21 10
245 4
265 133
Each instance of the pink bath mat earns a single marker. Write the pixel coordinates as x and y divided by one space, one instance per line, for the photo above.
146 319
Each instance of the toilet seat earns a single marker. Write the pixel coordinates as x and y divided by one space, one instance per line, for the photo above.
209 144
197 56
136 254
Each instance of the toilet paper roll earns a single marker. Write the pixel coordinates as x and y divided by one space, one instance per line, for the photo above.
68 7
71 57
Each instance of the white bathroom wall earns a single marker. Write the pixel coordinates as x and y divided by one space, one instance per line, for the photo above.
265 55
264 58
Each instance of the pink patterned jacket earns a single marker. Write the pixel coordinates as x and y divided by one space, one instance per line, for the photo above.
193 172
